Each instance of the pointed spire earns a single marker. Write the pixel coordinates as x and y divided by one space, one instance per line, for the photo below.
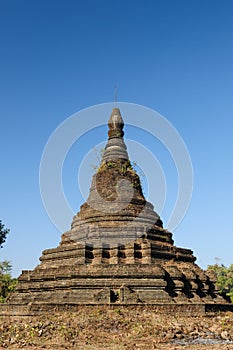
115 148
115 124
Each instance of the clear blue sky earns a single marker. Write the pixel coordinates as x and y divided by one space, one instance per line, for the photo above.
58 57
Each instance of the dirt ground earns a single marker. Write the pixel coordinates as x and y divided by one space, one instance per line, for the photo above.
156 347
136 328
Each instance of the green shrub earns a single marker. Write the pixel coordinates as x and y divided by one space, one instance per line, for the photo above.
224 278
7 283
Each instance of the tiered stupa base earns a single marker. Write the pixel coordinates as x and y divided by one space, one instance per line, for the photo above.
137 273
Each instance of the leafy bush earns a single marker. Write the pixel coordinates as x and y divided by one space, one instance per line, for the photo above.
7 283
224 278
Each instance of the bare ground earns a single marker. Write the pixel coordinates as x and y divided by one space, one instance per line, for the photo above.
118 328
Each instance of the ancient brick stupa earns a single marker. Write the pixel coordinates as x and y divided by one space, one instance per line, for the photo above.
116 252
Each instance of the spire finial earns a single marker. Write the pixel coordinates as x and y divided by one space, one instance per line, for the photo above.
115 94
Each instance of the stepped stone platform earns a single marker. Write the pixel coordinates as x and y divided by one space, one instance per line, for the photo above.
116 252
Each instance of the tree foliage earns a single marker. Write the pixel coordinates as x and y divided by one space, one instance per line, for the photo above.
7 283
224 278
3 233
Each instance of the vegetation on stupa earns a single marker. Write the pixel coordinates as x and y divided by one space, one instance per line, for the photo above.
109 174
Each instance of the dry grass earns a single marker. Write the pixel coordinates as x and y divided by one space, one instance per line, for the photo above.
115 329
